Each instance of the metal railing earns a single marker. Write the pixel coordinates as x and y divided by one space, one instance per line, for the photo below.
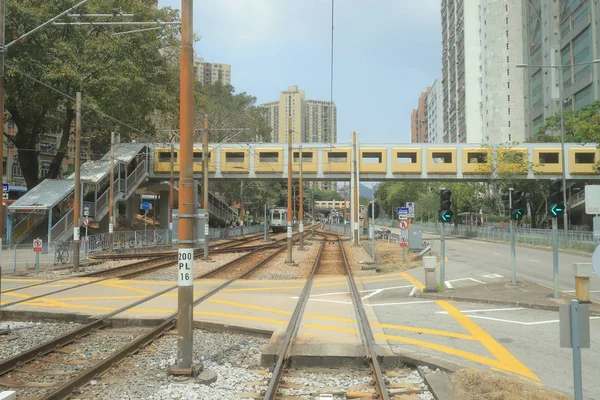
65 223
577 199
25 226
571 240
129 240
221 209
136 175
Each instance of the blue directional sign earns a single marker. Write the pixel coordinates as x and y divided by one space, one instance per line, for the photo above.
5 188
145 206
402 210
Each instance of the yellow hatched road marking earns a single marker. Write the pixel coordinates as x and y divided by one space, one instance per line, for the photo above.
118 286
413 281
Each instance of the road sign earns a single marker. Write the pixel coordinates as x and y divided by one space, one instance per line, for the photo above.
145 206
411 209
596 224
403 241
5 196
403 224
86 222
596 261
86 210
592 199
247 212
37 245
5 188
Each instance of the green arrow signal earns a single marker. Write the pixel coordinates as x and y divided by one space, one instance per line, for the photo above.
446 216
557 209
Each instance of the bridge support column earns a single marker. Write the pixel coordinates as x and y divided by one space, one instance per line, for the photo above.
132 204
163 206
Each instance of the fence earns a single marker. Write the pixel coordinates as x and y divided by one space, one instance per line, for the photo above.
571 240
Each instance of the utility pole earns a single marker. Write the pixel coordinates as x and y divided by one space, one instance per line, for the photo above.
172 188
312 205
266 225
301 212
242 211
355 194
513 258
111 217
187 189
289 199
205 184
345 208
2 51
77 189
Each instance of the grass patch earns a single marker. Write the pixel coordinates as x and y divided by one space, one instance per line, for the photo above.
471 384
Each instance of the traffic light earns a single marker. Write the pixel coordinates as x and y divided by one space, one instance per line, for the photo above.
556 207
519 208
446 213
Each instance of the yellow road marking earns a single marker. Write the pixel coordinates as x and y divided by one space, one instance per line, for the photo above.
235 316
427 331
100 298
503 355
414 281
19 295
233 303
118 286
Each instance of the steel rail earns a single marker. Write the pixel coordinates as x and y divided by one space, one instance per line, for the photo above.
169 323
292 330
365 328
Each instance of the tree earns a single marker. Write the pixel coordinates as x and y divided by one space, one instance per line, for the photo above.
127 77
581 126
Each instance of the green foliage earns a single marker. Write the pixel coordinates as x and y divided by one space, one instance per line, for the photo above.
581 126
326 195
125 76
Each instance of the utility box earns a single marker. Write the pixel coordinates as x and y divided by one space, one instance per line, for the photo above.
430 266
415 240
200 228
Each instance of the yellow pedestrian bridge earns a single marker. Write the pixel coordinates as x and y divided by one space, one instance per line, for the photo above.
381 162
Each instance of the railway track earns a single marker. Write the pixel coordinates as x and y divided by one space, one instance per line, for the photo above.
331 258
59 382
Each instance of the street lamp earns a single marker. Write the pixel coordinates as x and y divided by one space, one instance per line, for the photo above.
562 125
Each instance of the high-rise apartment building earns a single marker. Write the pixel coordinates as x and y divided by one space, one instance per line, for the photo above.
461 48
209 73
435 113
541 47
321 122
312 121
483 97
418 120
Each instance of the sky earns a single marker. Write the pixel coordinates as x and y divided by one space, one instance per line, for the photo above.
386 52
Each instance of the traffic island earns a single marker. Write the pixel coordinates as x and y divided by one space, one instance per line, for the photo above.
524 294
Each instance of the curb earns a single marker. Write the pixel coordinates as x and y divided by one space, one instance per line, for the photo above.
499 302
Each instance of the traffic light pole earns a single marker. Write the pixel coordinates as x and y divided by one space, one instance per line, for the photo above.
555 255
373 227
513 260
443 256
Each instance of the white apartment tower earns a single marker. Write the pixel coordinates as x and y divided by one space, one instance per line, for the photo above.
435 113
483 96
461 71
502 94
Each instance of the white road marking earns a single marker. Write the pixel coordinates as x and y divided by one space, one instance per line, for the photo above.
466 279
372 294
537 261
372 305
413 291
492 276
484 310
449 285
519 322
497 253
573 291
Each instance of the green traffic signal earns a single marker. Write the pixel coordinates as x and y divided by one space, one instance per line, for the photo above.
517 215
446 216
556 210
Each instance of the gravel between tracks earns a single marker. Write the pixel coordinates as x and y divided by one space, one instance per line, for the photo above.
68 272
233 357
200 267
27 335
278 269
357 257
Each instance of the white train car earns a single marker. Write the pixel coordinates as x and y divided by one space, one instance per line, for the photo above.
278 219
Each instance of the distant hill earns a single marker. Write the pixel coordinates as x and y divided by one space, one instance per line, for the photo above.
365 191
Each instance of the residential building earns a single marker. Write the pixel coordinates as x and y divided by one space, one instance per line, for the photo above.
321 122
312 121
579 32
482 91
46 147
502 93
435 113
209 73
418 120
542 47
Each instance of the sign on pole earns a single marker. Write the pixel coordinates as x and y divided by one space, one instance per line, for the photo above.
86 210
37 245
145 206
5 188
403 241
402 212
592 199
411 209
86 221
403 224
5 196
